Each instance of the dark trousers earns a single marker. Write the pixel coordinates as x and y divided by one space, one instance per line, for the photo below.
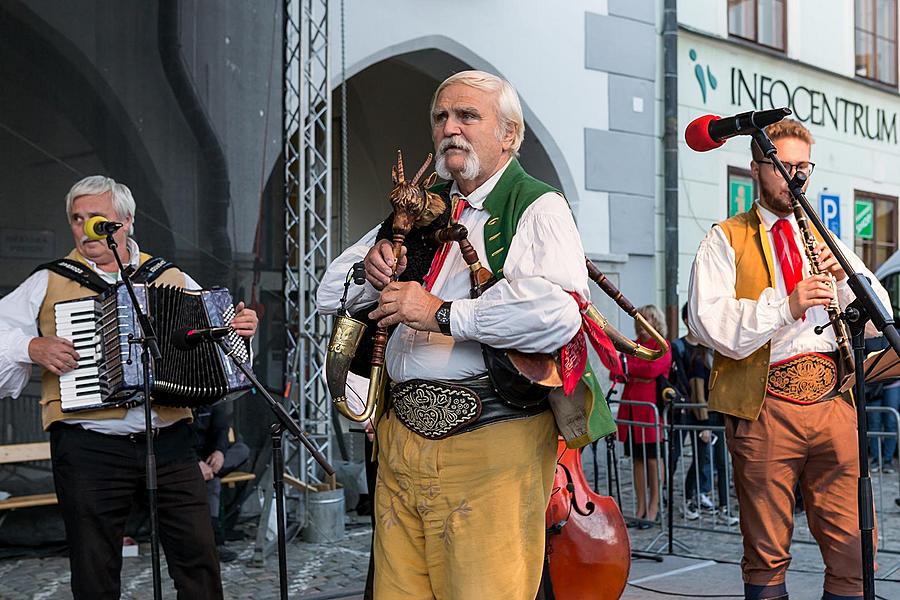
99 478
236 455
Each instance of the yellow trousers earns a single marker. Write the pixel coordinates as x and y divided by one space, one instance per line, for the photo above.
463 518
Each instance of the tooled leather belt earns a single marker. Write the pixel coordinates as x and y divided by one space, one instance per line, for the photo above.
436 409
804 378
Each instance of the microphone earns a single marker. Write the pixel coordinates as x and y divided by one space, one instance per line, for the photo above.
97 228
188 339
709 131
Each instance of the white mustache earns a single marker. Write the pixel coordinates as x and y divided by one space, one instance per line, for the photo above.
456 141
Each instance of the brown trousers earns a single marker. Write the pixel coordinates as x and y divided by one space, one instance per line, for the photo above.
815 445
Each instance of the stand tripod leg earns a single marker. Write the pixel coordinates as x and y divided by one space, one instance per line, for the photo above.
865 498
152 488
278 483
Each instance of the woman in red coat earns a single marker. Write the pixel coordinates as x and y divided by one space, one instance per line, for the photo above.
643 442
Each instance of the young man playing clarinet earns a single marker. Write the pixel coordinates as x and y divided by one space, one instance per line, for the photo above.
754 300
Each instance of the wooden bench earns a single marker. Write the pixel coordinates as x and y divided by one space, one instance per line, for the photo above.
236 477
17 453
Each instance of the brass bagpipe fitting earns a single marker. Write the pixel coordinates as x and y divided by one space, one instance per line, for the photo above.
621 342
414 206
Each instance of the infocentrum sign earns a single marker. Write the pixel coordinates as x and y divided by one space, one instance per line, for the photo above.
814 106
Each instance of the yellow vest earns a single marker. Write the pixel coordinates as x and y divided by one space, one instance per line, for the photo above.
738 387
59 289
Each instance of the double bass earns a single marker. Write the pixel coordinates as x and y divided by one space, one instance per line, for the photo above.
588 549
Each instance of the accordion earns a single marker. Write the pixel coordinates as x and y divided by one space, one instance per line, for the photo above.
109 371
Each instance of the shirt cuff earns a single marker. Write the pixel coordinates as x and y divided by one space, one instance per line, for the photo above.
18 347
462 319
785 310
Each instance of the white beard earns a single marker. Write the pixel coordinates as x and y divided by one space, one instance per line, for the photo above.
471 166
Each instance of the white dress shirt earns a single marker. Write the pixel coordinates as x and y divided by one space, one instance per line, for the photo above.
18 326
529 310
738 327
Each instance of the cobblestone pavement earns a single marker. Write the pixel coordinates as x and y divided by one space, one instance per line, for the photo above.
313 570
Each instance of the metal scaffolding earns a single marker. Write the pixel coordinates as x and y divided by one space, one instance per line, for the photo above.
308 210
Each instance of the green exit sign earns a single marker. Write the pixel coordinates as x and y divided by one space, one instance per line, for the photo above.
864 213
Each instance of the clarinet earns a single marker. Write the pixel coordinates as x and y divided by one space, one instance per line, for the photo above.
841 332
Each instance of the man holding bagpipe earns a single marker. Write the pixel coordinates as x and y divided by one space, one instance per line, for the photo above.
465 462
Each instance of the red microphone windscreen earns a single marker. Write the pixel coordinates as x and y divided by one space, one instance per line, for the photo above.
697 134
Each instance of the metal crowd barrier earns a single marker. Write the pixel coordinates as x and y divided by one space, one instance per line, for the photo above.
702 496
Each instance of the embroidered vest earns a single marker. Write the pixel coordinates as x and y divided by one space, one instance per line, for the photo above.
59 289
738 387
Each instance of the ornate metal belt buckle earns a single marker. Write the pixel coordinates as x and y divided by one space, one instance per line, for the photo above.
435 410
803 379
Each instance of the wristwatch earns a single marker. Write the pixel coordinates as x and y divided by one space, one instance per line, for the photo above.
442 316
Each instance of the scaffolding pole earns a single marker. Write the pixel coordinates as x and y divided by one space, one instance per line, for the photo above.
308 210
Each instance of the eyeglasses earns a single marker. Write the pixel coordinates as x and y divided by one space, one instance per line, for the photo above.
805 167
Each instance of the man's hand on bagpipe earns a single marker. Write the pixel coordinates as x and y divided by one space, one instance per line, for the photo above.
379 264
409 303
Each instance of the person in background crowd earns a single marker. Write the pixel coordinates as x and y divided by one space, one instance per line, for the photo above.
644 442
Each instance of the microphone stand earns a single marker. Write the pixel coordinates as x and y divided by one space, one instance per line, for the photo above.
285 423
865 307
150 350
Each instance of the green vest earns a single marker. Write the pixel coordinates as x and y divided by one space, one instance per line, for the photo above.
516 191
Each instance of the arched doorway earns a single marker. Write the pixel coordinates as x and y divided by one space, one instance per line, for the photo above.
387 106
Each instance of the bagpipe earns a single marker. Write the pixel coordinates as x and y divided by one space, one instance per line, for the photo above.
521 379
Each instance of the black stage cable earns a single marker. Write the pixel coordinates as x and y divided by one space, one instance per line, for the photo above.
725 562
336 595
680 595
668 593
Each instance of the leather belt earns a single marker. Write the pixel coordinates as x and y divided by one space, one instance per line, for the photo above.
436 409
804 378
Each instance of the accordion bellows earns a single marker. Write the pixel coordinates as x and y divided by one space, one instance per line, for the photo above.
110 373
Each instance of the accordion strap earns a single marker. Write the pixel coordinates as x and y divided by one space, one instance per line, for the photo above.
152 269
86 277
76 271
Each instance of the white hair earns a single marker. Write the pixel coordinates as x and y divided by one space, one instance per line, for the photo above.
509 110
122 200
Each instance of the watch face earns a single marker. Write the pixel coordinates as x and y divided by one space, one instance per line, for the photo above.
443 315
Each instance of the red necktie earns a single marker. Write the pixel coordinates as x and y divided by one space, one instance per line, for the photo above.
441 255
788 254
